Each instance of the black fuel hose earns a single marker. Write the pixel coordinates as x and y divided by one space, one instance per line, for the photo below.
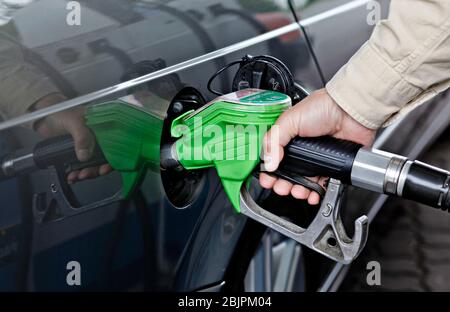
426 184
369 169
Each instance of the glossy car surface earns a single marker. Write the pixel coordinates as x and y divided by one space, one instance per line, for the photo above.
182 235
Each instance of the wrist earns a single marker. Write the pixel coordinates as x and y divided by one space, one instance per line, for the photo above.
43 126
349 128
351 111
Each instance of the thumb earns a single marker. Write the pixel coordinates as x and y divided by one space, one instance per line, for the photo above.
83 139
281 133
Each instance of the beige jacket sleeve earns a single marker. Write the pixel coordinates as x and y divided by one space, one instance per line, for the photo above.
21 84
405 62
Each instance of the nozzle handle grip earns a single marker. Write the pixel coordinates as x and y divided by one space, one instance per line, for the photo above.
320 156
60 151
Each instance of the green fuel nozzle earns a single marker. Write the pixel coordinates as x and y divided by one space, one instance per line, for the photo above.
227 134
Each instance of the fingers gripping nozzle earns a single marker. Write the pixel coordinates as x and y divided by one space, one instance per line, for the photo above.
326 234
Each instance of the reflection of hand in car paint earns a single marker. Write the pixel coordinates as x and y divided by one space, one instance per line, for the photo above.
72 122
28 88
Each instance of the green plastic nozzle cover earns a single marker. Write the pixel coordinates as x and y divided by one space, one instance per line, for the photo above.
227 134
129 137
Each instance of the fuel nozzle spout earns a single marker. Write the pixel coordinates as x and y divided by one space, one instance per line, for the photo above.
169 157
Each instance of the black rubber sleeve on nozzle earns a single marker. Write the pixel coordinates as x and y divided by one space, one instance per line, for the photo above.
322 156
427 185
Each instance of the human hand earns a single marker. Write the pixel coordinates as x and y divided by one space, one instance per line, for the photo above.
317 115
71 121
